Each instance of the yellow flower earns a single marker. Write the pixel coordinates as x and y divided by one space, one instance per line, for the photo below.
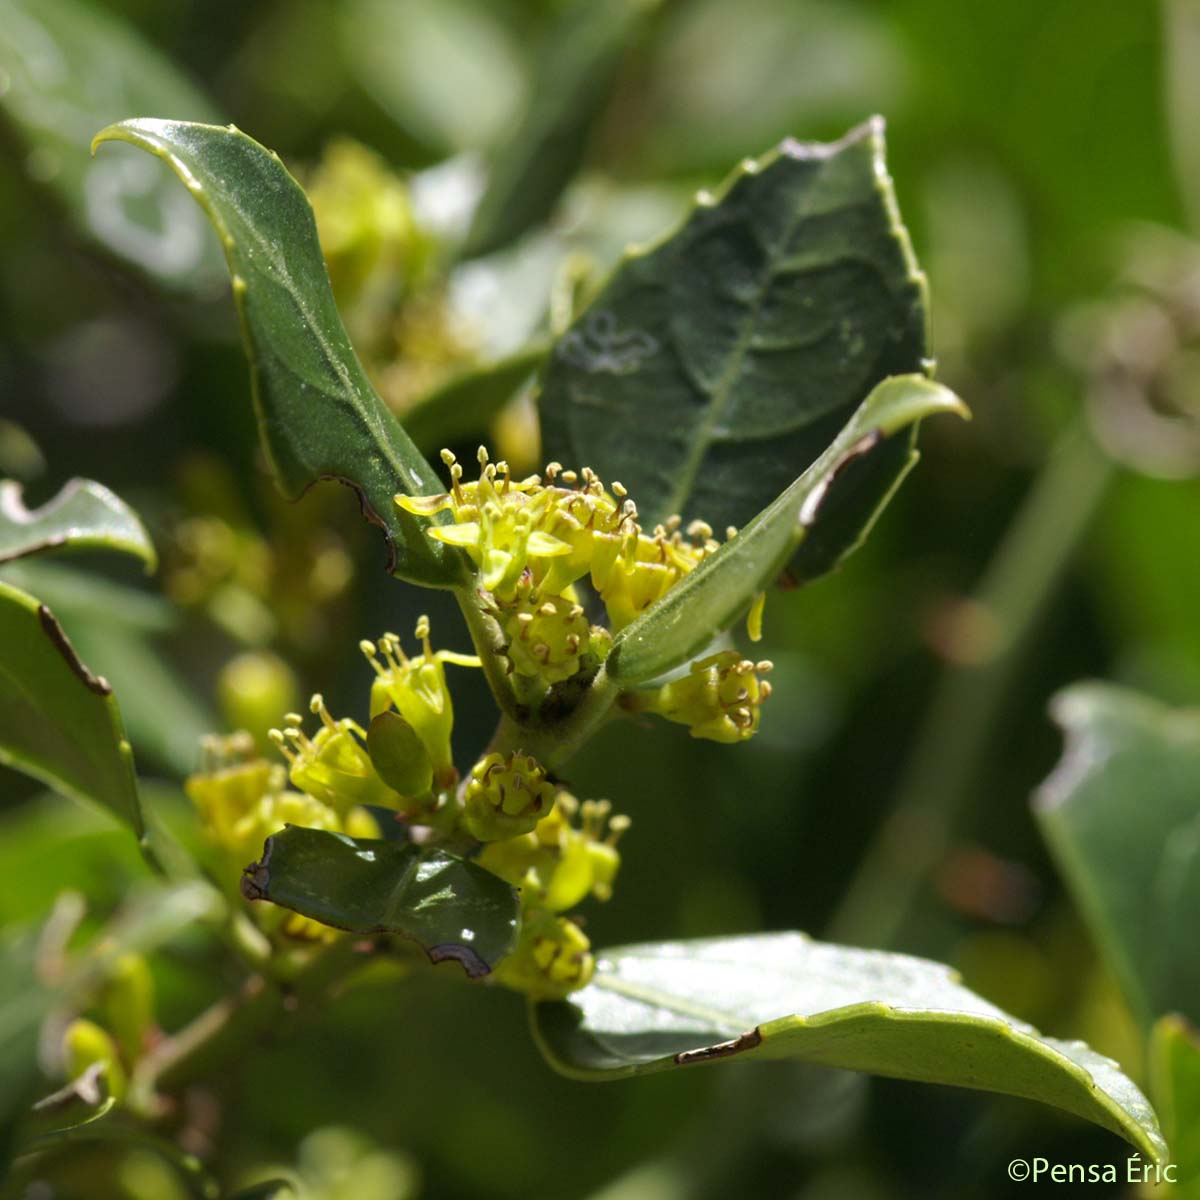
538 537
506 796
546 639
558 864
718 699
333 766
416 688
552 959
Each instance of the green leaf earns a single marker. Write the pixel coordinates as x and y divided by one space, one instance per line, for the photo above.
317 412
451 908
24 1003
710 598
83 516
1174 1064
61 723
70 68
574 78
1121 813
657 1006
716 366
463 406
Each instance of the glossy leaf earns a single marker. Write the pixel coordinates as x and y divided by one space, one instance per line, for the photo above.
318 413
658 1006
70 68
1174 1063
1121 813
60 722
451 908
577 67
83 516
713 596
715 367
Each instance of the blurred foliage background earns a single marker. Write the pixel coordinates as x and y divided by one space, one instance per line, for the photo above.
885 801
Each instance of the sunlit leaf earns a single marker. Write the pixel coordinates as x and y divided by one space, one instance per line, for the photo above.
318 414
715 367
83 516
664 1005
1121 812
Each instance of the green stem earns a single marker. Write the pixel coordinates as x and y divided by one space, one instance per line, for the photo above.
552 745
488 641
224 1029
936 790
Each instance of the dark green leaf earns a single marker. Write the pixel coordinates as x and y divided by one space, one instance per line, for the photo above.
463 407
1174 1063
318 414
83 516
61 723
451 908
654 1007
715 367
69 68
1121 813
574 78
710 598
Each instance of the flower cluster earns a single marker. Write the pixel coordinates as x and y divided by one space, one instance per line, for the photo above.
535 541
345 778
532 540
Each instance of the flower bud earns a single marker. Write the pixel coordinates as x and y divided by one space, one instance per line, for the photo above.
719 698
506 796
86 1045
552 959
128 1000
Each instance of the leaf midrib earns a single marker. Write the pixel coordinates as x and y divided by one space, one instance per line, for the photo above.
722 391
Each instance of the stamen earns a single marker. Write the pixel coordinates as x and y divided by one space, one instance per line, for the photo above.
423 636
